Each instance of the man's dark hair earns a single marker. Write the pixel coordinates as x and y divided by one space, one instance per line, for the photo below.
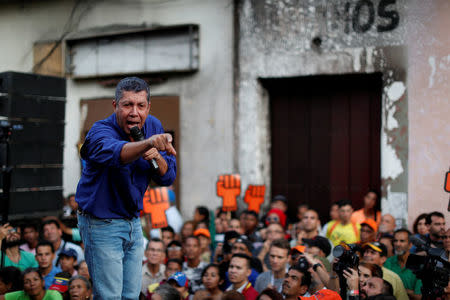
45 243
174 243
405 231
51 222
232 295
203 211
429 219
167 292
306 278
12 275
344 202
387 288
251 213
282 244
168 229
155 240
133 84
303 205
31 270
31 224
70 195
244 256
271 293
175 260
192 237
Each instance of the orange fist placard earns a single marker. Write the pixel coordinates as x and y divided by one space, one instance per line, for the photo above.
229 188
254 197
156 201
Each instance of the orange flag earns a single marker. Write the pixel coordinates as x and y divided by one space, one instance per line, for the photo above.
156 201
229 188
254 197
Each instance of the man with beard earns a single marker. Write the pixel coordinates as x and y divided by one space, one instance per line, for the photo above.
378 288
435 223
397 263
13 255
296 283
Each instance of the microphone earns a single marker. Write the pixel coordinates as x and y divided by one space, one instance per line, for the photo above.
137 135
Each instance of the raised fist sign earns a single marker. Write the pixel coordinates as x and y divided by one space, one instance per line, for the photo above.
229 188
156 201
254 197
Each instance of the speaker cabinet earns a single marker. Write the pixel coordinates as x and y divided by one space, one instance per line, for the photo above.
32 114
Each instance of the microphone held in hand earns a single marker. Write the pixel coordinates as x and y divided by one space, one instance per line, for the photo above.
137 136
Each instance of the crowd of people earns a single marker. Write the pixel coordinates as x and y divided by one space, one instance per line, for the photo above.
226 255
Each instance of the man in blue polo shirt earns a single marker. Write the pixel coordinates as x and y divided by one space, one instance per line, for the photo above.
112 186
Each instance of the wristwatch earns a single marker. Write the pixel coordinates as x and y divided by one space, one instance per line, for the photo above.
316 266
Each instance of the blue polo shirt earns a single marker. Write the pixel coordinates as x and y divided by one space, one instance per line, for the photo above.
109 189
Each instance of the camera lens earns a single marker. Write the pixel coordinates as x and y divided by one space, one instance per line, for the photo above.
338 251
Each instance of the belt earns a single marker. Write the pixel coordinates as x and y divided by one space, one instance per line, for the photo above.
85 213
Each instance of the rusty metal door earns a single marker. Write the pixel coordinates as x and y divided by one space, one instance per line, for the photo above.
325 134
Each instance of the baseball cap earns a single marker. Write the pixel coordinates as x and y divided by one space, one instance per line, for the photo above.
299 248
180 279
244 240
202 231
60 282
324 294
319 242
377 246
68 253
371 223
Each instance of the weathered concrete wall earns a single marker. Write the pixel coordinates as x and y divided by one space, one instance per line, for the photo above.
303 38
206 99
429 107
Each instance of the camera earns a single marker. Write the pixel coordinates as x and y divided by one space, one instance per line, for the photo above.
432 269
348 258
303 264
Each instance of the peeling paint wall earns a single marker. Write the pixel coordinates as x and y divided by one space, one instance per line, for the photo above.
303 38
429 107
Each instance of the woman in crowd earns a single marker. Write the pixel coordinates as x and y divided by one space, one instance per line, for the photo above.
367 271
420 229
10 280
80 288
33 288
269 294
211 279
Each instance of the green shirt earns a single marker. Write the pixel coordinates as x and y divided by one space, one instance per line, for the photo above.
408 278
27 260
20 295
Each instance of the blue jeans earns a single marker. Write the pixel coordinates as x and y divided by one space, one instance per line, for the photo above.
113 251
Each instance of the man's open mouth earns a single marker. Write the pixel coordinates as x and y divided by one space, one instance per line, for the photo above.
132 123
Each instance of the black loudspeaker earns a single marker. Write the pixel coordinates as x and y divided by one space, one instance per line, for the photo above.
32 114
